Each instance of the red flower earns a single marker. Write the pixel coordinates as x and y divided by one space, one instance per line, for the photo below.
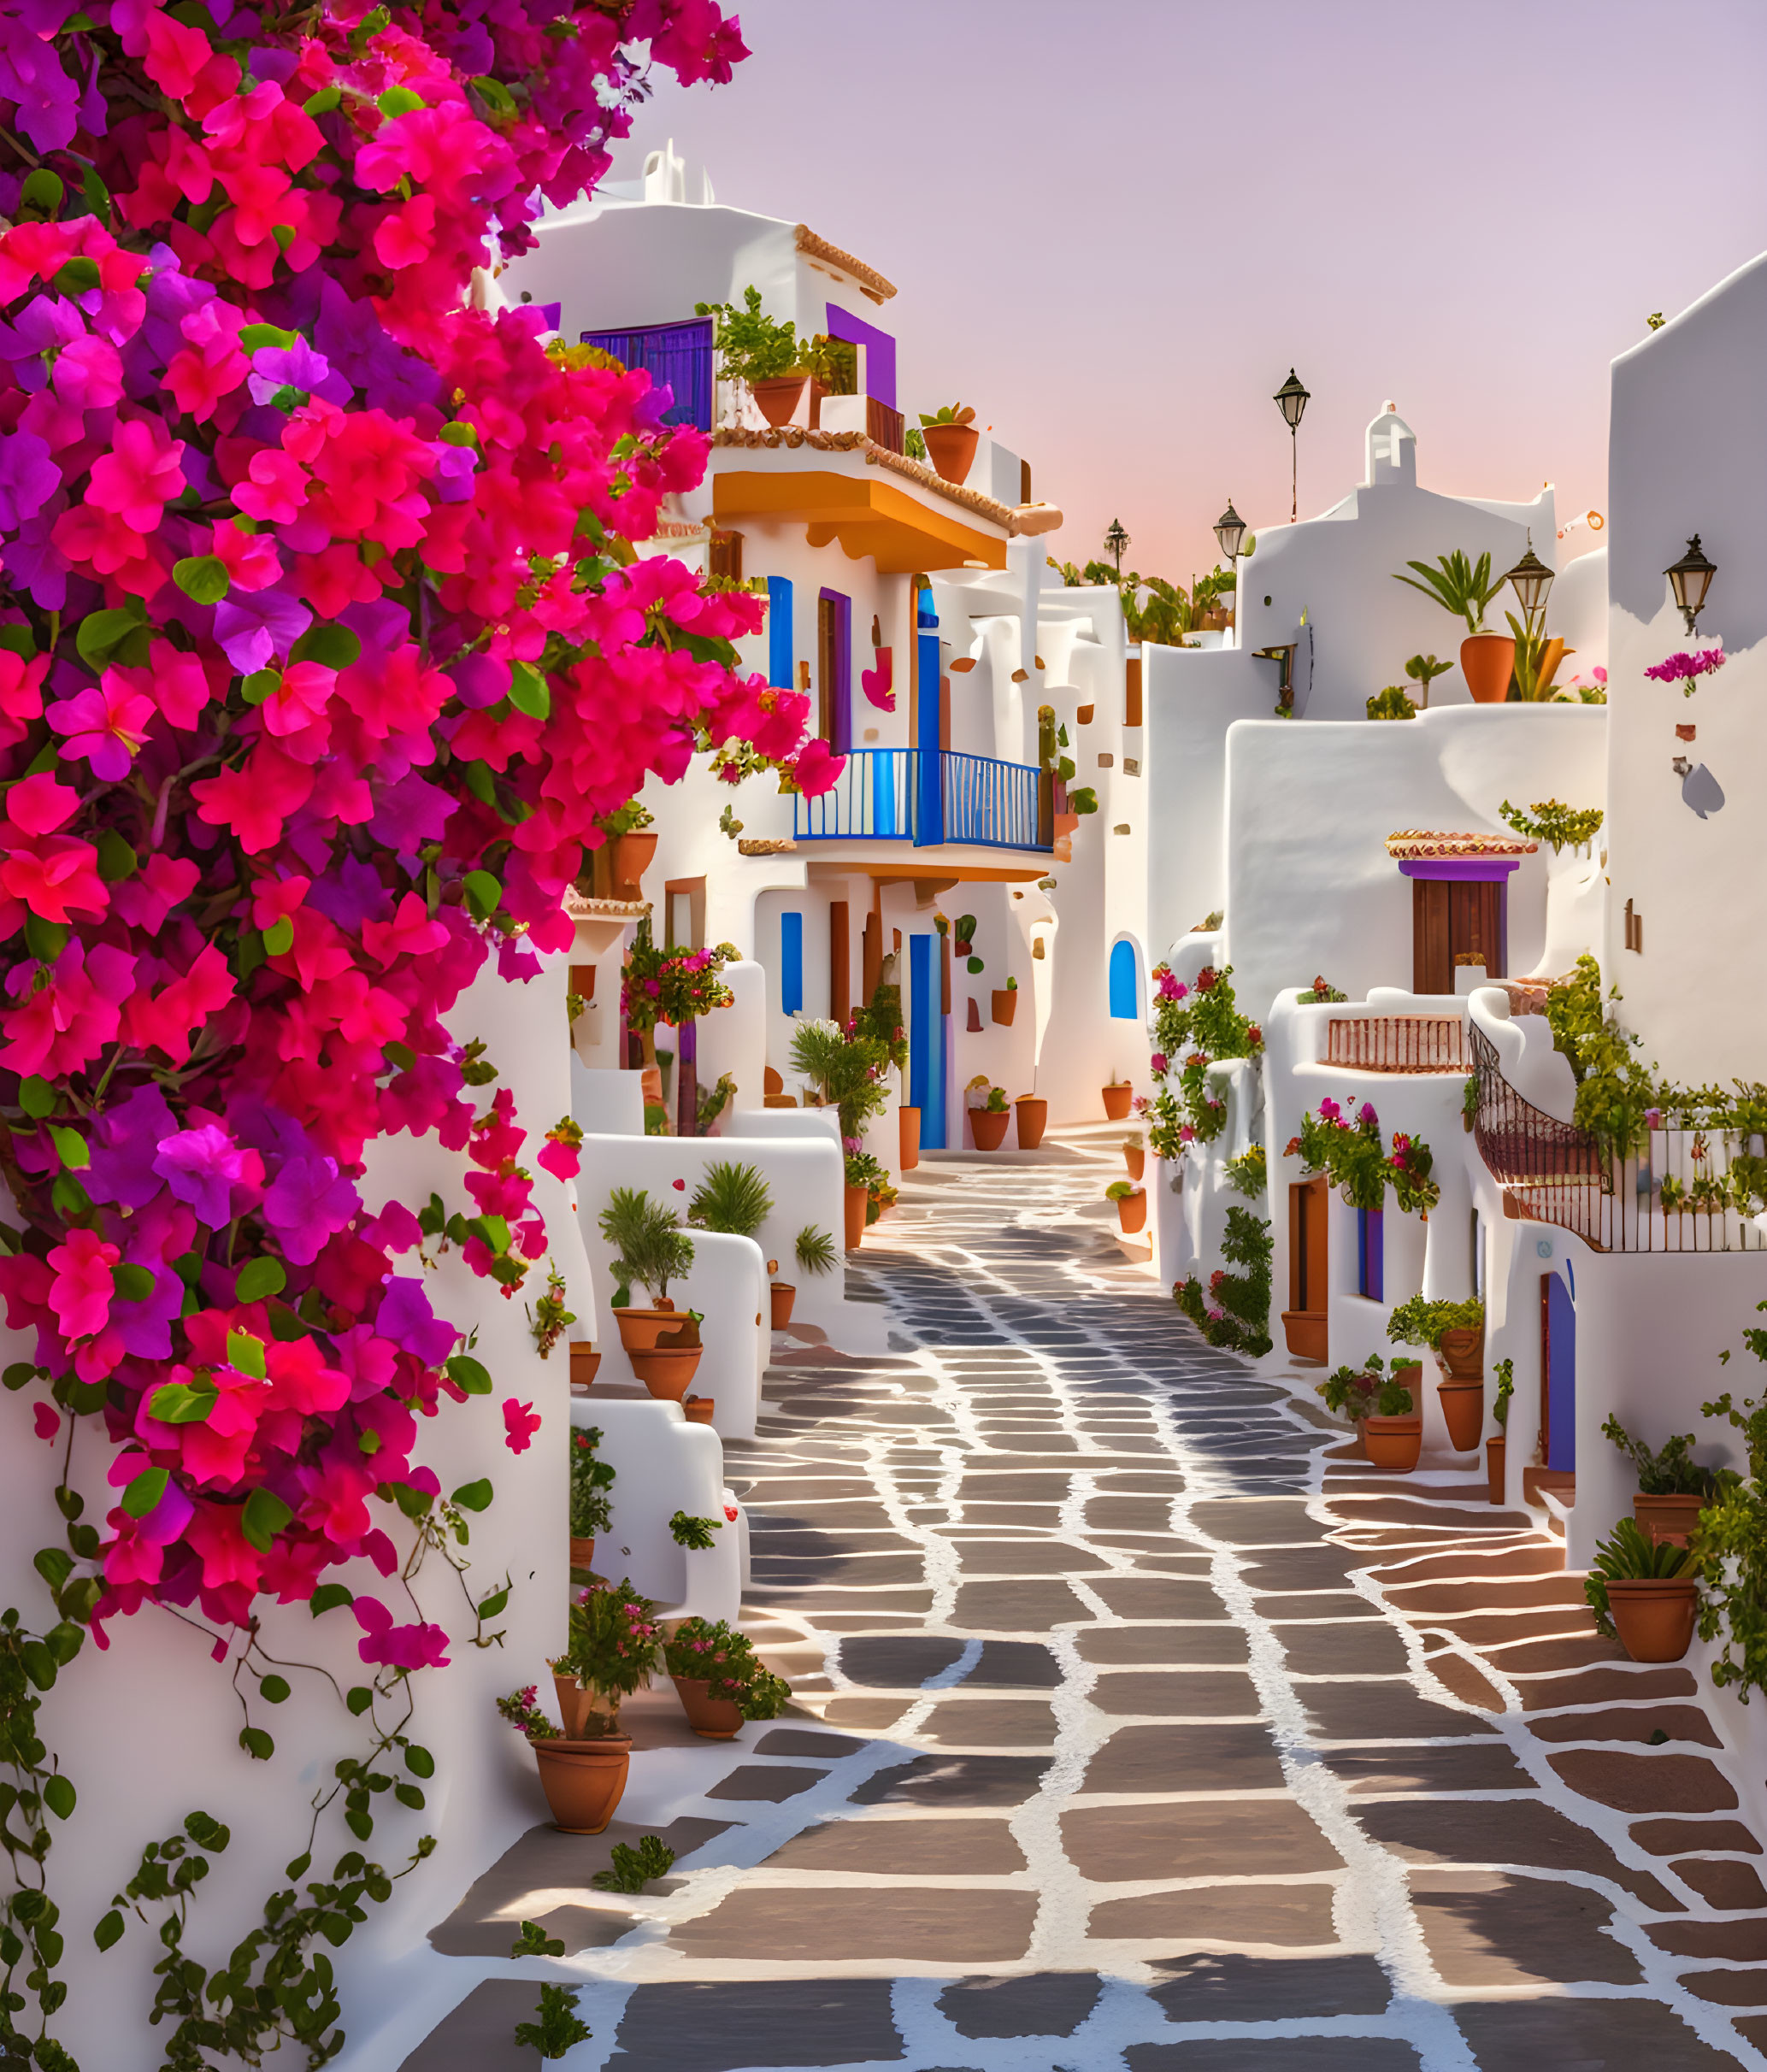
519 1425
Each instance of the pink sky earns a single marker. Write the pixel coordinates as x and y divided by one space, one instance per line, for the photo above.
1113 229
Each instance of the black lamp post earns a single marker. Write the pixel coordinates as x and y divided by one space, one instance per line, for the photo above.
1230 531
1115 541
1532 580
1690 579
1291 399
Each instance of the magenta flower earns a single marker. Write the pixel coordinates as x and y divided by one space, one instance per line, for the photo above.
398 1647
520 1422
1687 669
308 1200
1158 1064
1330 1112
1366 1115
47 1421
105 725
202 1166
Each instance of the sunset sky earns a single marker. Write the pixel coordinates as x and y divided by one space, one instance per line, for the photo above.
1115 228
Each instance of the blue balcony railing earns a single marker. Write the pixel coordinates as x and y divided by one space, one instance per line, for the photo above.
906 795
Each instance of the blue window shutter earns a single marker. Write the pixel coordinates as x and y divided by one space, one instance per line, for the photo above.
1125 984
790 957
779 632
1371 1254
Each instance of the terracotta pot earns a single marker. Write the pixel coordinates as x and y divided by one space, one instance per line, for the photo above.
583 1781
585 1364
1005 1004
639 1329
1488 661
1409 1374
1493 1468
668 1371
698 1410
988 1126
632 857
716 1719
1131 1212
1306 1334
1030 1118
573 1706
1464 1411
785 1294
952 449
1116 1101
1462 1354
582 1552
854 1207
1393 1443
909 1122
1661 1518
1134 1157
1653 1615
1361 1424
1083 716
777 396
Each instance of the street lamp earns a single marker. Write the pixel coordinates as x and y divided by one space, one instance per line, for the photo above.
1115 541
1532 580
1690 579
1291 400
1230 531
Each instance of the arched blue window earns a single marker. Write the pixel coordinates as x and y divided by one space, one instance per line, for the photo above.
1125 983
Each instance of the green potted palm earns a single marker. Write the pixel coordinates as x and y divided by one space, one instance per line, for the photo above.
720 1680
1464 588
952 438
1673 1488
662 1342
763 355
816 1255
1645 1593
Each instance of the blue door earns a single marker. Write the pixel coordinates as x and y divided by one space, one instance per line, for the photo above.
930 820
1371 1254
1559 1347
1125 983
926 1039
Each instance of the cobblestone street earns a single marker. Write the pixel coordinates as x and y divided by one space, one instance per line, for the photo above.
1157 1732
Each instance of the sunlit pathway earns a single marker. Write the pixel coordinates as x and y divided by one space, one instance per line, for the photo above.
1154 1735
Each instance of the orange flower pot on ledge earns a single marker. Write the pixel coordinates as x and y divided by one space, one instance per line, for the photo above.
1116 1101
989 1126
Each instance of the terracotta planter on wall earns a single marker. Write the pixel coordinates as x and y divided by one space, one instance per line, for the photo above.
1116 1101
583 1781
1303 1331
582 1552
1464 1411
1132 1213
1462 1354
1488 661
951 450
1493 1468
1393 1443
1653 1615
1005 1004
1030 1118
909 1125
584 1365
639 1329
785 1295
717 1719
1134 1157
668 1371
777 397
1661 1518
632 858
699 1410
989 1127
854 1206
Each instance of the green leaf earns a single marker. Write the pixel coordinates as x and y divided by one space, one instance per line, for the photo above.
331 645
18 639
257 1743
264 1517
245 1354
177 1404
494 1606
494 1231
495 94
323 102
398 101
37 1097
54 1565
259 1277
145 1491
109 1930
330 1597
529 691
457 434
465 1372
257 687
202 578
472 1496
58 1796
483 894
420 1761
255 337
284 235
99 633
95 194
359 1698
19 1375
409 1795
280 940
133 1283
45 940
42 192
274 1690
116 859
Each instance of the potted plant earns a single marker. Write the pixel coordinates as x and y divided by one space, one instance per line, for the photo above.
1131 1205
1381 1406
1455 1331
987 1118
730 1197
763 355
1005 1003
584 1365
1673 1488
720 1680
815 1254
1644 1593
1117 1096
1487 660
1134 1156
632 846
662 1342
951 437
1505 1372
591 1478
1030 1118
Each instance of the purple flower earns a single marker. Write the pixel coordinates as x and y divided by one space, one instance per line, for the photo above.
1365 1114
1687 670
202 1166
410 813
406 1318
309 1199
1157 1063
123 1141
1653 1118
1330 1112
400 1647
28 477
254 627
280 367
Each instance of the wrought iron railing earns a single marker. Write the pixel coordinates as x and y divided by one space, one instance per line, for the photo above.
1397 1042
1673 1195
904 795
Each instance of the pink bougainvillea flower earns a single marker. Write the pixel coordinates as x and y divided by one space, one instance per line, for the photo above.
139 475
48 1421
520 1424
398 1647
104 726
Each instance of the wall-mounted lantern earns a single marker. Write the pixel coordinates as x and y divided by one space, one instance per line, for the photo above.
1690 579
1230 531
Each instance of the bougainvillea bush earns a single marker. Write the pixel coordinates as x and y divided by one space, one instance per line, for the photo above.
323 648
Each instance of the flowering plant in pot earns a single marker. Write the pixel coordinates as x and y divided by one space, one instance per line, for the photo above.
1455 1332
1356 1161
590 1479
988 1115
869 1191
1381 1402
1644 1593
1131 1205
1673 1488
583 1768
1319 993
951 439
1464 588
720 1680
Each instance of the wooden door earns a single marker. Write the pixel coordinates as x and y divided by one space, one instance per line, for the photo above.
1304 1322
826 628
1432 959
1475 919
